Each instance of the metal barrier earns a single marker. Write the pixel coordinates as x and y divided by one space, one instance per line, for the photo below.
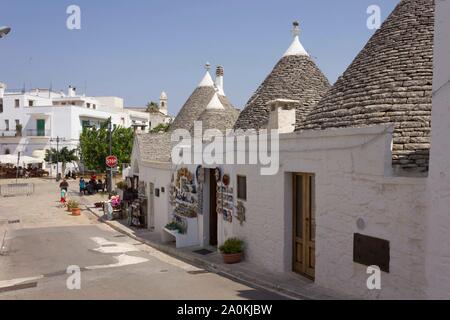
16 189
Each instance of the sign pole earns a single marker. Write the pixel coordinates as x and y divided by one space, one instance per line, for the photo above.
110 153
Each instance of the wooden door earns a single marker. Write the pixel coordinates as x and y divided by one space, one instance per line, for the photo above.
212 209
304 224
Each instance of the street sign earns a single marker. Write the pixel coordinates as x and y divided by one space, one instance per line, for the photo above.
111 161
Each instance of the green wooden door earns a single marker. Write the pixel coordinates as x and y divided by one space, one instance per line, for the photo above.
40 126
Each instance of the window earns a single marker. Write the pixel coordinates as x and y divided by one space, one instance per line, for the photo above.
17 122
1 105
6 125
30 103
242 188
88 105
94 106
17 103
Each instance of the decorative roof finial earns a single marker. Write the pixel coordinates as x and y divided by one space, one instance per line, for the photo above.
207 66
296 29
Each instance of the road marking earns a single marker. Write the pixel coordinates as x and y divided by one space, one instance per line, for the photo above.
113 247
122 260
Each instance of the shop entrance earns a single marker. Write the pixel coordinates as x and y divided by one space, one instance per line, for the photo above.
212 209
151 207
304 224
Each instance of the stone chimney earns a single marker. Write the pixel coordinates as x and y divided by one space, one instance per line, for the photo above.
2 89
72 92
282 115
219 81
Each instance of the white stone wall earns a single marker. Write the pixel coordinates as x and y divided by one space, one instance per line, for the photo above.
438 215
159 175
352 182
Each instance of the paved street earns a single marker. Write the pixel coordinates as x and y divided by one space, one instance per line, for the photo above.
44 241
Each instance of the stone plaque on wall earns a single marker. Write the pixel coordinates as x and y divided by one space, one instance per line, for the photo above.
370 251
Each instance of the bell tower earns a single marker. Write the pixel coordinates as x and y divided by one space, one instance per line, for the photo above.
163 107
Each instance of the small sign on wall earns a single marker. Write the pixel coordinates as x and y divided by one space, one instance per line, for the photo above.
370 251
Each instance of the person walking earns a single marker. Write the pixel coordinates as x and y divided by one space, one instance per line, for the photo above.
64 185
63 199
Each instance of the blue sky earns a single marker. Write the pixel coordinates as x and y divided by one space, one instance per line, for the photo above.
137 48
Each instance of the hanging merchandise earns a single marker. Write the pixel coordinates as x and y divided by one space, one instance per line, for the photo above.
218 174
225 199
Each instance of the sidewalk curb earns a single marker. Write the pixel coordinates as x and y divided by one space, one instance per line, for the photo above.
208 265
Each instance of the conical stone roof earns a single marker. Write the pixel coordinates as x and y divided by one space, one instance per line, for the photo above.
295 77
217 116
197 103
390 81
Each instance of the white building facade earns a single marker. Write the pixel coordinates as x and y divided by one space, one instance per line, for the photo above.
31 122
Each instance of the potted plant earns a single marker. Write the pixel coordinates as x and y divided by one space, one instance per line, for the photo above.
174 226
69 205
74 207
232 251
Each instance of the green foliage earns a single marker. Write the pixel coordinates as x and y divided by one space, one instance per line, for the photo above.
160 128
72 204
64 155
232 245
152 107
173 226
94 146
122 185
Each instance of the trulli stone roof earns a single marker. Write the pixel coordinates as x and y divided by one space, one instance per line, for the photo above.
389 82
197 103
295 77
217 116
154 147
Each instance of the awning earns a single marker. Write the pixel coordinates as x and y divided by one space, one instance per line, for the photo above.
23 160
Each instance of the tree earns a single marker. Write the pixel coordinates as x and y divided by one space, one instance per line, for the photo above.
63 156
94 146
152 107
162 127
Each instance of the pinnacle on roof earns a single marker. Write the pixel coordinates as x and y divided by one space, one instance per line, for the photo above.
296 48
295 77
207 80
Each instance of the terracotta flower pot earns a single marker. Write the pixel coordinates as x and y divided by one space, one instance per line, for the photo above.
232 258
76 211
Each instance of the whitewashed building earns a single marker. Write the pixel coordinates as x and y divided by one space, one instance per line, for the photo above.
42 116
151 158
363 173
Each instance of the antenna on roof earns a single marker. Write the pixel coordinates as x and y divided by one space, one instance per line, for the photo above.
207 66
